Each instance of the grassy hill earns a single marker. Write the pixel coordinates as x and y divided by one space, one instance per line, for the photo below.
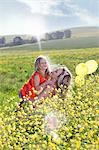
82 37
85 32
76 32
70 43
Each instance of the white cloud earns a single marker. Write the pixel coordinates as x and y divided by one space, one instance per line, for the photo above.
82 14
28 25
45 7
89 19
50 7
37 24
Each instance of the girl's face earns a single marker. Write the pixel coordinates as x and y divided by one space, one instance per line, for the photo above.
43 65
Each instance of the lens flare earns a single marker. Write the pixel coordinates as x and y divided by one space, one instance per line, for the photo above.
81 69
92 66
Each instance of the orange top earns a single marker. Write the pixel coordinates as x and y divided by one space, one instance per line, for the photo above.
27 89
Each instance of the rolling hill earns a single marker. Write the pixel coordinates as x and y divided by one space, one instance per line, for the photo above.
81 37
85 32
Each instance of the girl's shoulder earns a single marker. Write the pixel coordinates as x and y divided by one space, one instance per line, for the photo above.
40 75
36 73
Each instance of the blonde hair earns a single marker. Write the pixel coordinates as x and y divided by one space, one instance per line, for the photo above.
37 62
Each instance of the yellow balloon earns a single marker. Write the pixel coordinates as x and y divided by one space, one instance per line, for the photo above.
81 69
92 66
79 80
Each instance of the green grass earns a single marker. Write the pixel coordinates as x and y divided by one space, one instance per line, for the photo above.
16 67
60 44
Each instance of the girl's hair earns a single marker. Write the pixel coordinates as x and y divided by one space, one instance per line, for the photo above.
37 62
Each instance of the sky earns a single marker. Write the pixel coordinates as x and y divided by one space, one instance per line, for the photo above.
36 17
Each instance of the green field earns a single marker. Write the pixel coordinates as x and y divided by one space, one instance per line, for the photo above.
16 66
60 44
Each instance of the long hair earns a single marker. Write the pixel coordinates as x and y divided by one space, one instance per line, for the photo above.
37 62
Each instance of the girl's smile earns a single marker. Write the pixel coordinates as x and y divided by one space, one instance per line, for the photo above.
43 65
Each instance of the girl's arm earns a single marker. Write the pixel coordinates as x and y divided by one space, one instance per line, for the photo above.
43 85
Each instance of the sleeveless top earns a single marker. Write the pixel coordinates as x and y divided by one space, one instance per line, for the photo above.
27 89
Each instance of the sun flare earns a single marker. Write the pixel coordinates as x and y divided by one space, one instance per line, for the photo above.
36 27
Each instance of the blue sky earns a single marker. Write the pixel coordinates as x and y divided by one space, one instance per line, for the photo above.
38 16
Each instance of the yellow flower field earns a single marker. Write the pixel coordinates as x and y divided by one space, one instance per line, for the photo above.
63 122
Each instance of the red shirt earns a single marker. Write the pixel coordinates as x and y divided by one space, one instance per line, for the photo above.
27 89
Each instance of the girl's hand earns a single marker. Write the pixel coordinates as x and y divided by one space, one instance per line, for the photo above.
49 82
53 75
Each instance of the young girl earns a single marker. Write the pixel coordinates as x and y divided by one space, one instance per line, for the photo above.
40 85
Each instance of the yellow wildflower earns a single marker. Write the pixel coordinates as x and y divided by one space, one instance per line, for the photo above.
79 80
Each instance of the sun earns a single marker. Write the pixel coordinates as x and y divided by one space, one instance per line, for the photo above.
36 27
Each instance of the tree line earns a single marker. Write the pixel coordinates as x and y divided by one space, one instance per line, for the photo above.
18 40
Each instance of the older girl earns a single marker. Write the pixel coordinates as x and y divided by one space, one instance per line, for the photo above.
40 84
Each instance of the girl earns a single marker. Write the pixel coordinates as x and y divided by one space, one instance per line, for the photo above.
40 85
